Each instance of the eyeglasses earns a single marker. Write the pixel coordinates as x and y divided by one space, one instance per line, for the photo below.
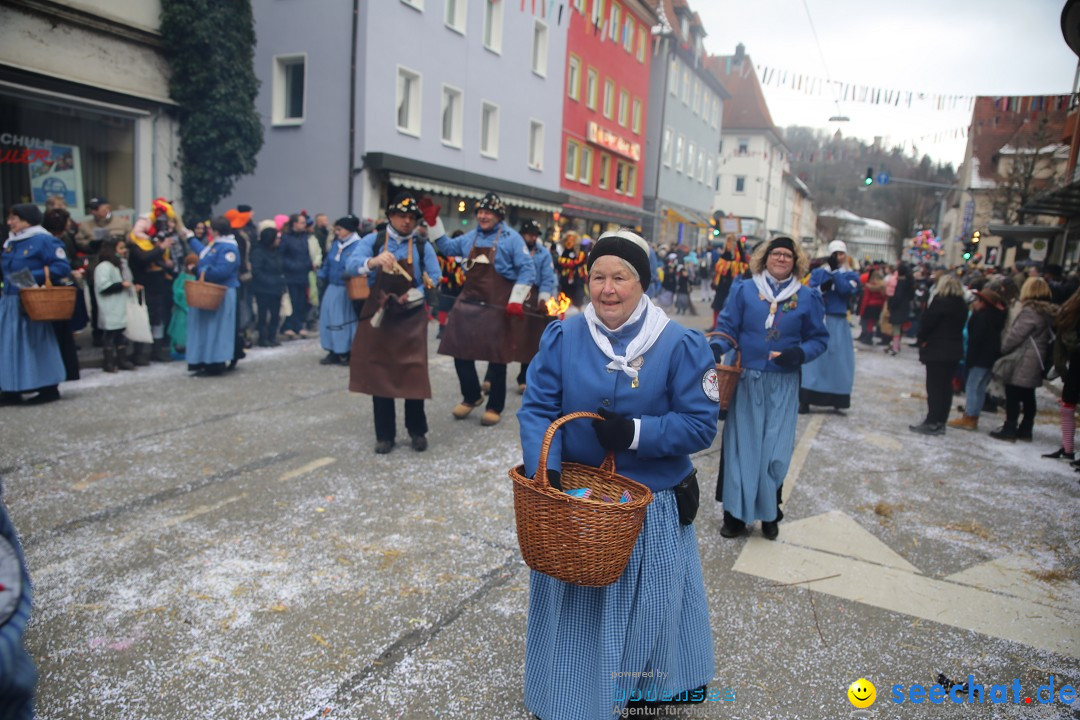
781 255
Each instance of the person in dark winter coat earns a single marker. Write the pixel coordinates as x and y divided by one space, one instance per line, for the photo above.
268 284
1029 337
900 306
296 261
1067 363
984 329
941 346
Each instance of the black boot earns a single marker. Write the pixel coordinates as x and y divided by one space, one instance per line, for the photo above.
733 527
45 395
330 359
160 352
1005 432
122 361
108 363
10 398
140 354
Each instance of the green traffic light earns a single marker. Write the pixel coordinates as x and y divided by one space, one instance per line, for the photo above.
715 232
868 181
967 256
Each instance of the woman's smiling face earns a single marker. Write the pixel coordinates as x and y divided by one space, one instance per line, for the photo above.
614 290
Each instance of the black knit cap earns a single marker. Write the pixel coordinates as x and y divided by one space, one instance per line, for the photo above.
349 222
780 242
28 212
531 226
627 245
494 203
404 203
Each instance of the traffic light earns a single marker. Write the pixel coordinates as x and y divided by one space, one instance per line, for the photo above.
975 237
869 177
967 253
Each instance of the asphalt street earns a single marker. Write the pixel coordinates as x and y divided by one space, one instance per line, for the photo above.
233 548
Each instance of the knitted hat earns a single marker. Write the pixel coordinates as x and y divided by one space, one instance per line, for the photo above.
350 223
627 245
781 242
494 203
28 212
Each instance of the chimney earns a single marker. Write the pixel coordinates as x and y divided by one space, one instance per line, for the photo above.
740 53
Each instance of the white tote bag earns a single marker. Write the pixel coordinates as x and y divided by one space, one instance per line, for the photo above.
138 320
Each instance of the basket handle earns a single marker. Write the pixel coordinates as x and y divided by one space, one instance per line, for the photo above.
607 466
202 276
734 346
48 280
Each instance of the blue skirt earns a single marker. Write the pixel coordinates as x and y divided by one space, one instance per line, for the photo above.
759 437
29 354
833 372
211 334
337 320
587 650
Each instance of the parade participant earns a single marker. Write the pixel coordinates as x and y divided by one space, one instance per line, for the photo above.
572 273
870 304
29 354
268 284
899 303
114 287
984 328
528 334
178 321
655 383
450 284
828 379
389 353
18 677
149 244
337 319
941 347
499 273
90 236
1029 338
57 222
212 333
779 324
729 267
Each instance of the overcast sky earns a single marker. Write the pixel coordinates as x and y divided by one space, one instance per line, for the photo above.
966 47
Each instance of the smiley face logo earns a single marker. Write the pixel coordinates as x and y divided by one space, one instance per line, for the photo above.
862 693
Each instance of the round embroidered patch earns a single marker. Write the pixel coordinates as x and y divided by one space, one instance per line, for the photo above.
230 256
61 254
710 385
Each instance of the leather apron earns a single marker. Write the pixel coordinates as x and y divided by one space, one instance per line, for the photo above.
478 327
525 331
392 359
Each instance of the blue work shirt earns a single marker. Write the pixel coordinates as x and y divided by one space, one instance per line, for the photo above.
512 259
845 284
359 253
545 269
220 260
332 270
33 252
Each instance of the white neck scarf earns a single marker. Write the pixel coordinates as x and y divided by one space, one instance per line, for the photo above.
655 322
342 245
28 232
774 300
398 237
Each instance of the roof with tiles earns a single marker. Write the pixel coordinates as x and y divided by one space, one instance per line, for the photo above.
746 109
994 125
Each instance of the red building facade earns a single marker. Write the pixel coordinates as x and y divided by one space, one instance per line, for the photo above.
604 113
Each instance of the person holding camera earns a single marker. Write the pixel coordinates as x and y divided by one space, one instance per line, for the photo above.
150 245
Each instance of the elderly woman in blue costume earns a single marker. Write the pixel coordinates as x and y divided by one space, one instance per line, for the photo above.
828 379
779 325
212 333
29 354
337 318
590 650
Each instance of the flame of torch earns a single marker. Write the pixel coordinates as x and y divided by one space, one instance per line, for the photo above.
557 307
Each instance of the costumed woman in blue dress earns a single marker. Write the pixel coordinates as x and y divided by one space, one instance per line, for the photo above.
779 324
590 650
828 379
337 318
29 354
212 333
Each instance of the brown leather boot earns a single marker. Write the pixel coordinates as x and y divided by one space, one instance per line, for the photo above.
964 423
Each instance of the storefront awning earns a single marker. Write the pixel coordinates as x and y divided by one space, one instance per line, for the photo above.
687 217
1065 201
578 205
444 188
1025 232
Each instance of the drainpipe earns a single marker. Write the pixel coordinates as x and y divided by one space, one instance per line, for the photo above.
660 151
352 101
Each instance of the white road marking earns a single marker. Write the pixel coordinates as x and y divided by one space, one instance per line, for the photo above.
305 469
801 451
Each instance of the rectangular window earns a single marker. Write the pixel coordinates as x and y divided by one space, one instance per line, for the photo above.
642 42
701 166
744 147
455 15
573 77
597 12
690 160
673 76
536 145
585 172
540 48
631 180
408 101
628 34
696 97
609 99
679 143
592 79
418 4
666 152
453 107
579 5
493 25
715 112
624 107
289 89
605 171
489 130
708 169
686 86
740 184
573 152
636 117
615 22
625 178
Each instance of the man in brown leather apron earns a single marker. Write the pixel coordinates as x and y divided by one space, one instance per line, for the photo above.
389 353
499 272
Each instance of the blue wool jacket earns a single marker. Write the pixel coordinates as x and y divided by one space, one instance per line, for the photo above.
569 374
220 261
545 270
512 259
800 322
333 267
295 258
34 253
845 284
360 252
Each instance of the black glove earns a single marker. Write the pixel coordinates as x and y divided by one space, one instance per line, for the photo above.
827 285
790 358
834 261
615 431
718 350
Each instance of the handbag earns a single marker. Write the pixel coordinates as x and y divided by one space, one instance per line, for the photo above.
1005 366
138 320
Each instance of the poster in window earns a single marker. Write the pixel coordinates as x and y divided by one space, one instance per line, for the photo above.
57 173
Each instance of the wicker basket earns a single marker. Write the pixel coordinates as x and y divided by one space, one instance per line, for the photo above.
357 286
727 376
203 295
577 540
49 303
